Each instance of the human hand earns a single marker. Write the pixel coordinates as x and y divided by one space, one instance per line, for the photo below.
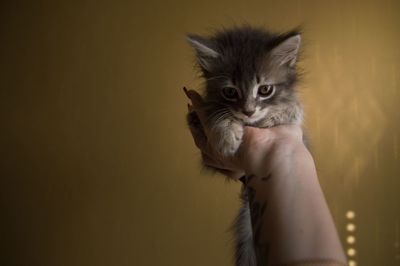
201 136
260 147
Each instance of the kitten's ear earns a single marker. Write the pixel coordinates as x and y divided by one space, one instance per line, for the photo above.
286 52
206 53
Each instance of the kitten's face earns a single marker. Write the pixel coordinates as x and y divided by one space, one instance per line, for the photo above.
252 99
248 72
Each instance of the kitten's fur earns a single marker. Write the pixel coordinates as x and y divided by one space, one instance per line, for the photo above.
241 60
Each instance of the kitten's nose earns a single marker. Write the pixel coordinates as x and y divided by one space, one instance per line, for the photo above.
249 112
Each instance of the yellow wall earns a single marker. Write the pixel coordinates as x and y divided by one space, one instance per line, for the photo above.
97 166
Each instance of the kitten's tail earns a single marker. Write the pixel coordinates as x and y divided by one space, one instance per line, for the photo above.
244 243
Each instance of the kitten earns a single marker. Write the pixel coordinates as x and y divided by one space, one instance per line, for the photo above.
250 80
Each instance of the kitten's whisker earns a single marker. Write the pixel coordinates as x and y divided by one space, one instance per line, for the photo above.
218 116
217 112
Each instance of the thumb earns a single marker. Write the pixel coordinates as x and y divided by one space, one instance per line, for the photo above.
198 105
197 100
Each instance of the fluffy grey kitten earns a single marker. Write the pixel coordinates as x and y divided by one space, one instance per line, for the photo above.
250 80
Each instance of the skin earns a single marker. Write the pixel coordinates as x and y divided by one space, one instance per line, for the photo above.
290 217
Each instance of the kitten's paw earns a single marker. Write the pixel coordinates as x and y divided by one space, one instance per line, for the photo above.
227 138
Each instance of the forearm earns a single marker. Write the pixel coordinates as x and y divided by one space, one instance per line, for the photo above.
290 217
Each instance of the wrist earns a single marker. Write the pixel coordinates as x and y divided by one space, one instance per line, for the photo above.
265 149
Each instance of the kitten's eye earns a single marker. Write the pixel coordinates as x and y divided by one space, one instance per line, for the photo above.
266 91
229 93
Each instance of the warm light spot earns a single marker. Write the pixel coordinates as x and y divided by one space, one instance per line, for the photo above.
350 215
351 252
352 263
351 239
350 227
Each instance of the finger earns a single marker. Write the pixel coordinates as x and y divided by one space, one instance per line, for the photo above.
199 106
209 161
197 131
199 138
231 173
193 96
196 99
190 107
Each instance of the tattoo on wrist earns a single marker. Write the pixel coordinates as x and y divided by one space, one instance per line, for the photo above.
266 178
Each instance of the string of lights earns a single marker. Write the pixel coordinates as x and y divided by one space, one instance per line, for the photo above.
351 238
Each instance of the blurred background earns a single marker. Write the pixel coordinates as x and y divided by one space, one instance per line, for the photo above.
97 166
